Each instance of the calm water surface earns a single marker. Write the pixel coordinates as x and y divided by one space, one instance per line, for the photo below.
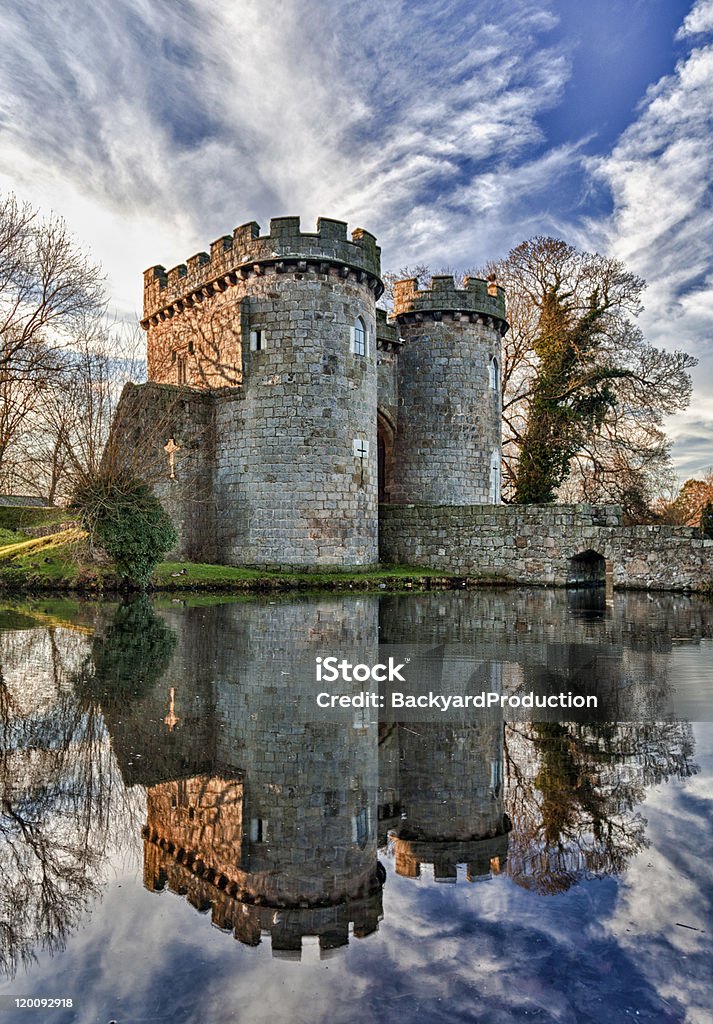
182 840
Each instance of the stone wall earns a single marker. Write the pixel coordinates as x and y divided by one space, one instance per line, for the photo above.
147 417
535 544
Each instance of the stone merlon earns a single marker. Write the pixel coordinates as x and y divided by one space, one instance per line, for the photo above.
284 247
387 334
485 298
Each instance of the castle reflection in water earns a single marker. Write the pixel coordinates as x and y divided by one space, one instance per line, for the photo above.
274 824
194 724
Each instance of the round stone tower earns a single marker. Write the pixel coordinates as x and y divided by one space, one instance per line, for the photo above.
448 443
451 800
281 329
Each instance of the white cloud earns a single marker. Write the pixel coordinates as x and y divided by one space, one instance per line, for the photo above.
155 128
659 174
698 20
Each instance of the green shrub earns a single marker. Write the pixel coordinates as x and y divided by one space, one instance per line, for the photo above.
130 657
123 516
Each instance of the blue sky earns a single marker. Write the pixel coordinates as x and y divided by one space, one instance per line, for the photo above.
452 129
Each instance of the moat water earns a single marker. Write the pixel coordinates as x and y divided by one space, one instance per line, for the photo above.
184 838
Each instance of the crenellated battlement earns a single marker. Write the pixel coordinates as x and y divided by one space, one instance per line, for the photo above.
237 256
387 333
483 857
239 907
478 298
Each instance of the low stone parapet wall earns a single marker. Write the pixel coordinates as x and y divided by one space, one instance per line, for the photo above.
545 544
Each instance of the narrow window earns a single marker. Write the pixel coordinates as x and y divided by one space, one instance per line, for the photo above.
256 341
360 828
181 369
496 777
258 830
495 478
359 337
494 374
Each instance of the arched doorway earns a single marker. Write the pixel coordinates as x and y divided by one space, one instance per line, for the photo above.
587 569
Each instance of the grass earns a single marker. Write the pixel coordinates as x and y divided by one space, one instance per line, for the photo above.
61 561
194 575
11 537
34 546
53 567
18 518
57 561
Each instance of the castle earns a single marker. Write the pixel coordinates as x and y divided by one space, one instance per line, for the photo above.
282 406
289 423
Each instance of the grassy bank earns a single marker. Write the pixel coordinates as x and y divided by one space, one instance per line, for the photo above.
196 576
61 561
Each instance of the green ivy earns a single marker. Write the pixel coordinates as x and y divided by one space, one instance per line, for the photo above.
128 521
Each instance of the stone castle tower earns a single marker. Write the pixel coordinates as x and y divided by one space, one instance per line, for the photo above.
289 406
448 441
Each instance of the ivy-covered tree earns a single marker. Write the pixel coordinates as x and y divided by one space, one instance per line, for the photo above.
591 377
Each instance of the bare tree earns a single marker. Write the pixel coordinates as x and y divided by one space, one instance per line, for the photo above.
420 271
48 290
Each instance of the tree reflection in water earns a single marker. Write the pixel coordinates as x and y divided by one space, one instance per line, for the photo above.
572 790
130 655
62 800
274 822
53 786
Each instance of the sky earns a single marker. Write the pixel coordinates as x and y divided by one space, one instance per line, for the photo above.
451 129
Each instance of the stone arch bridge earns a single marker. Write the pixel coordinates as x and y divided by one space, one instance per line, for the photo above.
558 545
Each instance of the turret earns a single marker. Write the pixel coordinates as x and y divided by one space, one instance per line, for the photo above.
450 799
448 440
